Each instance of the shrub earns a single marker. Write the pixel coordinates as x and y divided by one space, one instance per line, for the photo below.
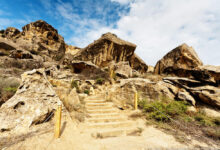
100 81
86 92
161 111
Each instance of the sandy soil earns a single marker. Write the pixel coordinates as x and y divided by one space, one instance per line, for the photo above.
74 137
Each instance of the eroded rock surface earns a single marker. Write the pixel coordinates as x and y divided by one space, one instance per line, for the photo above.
198 90
110 48
32 104
178 60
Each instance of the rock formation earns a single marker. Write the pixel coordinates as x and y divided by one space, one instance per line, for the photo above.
178 60
197 90
32 104
39 38
108 68
10 33
110 48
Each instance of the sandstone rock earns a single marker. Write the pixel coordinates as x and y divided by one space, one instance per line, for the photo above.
69 98
9 33
39 38
191 109
213 73
198 90
21 54
72 49
87 69
6 45
138 64
122 69
24 64
183 82
208 94
110 48
185 96
176 61
123 93
210 111
32 104
150 69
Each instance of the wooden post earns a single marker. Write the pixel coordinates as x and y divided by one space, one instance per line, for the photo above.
111 73
58 121
135 100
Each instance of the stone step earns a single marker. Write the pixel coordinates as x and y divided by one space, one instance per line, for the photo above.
99 104
107 119
110 124
101 115
97 111
98 107
94 101
114 132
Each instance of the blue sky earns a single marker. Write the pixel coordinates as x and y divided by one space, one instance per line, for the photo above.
155 26
70 17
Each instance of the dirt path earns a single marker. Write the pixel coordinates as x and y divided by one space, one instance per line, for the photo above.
86 136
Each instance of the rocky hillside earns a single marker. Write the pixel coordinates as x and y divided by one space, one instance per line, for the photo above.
40 70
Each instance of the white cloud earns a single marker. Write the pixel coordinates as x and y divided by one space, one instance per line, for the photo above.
159 26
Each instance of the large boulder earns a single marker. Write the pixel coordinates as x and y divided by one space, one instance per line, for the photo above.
110 48
34 103
178 60
122 69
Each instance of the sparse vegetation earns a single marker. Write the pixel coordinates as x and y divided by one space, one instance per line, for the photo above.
8 87
100 80
202 119
86 92
162 111
171 115
74 84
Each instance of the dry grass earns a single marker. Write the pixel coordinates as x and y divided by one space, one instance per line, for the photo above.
8 87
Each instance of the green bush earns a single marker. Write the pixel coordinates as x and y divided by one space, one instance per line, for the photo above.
161 111
86 92
100 81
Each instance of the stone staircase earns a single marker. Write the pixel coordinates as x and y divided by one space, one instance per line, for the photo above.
106 121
